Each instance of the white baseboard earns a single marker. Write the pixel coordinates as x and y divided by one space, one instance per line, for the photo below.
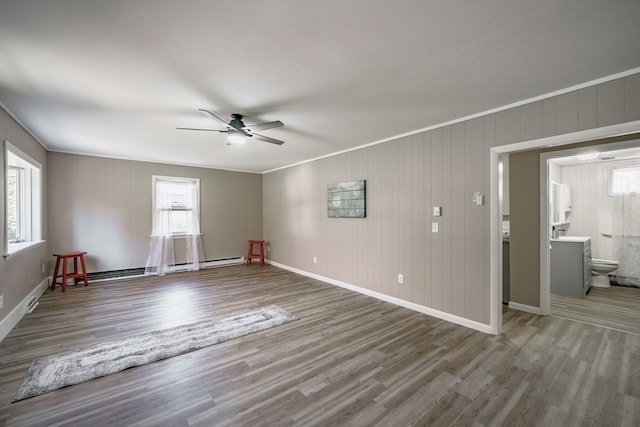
526 308
397 301
9 322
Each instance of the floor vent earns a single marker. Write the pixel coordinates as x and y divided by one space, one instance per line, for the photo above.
32 304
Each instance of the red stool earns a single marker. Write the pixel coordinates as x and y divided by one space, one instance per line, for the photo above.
75 275
259 255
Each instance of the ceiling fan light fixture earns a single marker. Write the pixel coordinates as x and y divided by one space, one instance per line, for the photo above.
235 137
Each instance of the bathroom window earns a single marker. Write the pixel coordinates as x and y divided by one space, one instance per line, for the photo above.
624 180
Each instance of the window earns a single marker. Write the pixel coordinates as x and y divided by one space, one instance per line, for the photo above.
22 203
175 206
624 180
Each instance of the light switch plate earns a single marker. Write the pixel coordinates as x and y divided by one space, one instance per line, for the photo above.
434 227
437 211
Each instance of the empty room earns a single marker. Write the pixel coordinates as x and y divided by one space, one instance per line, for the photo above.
315 213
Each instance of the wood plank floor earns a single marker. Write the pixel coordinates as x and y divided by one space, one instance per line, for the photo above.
350 360
617 307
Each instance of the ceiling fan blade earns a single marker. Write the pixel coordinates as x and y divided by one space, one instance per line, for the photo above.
208 130
267 139
262 126
209 113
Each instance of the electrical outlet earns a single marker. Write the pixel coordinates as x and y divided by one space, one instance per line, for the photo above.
1 300
401 278
315 260
43 267
434 227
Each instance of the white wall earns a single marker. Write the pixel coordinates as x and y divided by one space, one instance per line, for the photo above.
592 212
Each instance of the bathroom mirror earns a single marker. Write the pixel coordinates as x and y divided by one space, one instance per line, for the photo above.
560 203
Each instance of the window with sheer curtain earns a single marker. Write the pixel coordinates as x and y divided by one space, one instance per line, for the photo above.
176 220
625 180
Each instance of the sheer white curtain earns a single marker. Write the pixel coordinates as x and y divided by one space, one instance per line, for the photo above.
176 225
625 189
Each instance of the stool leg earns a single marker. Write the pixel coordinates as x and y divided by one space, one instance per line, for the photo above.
75 270
64 274
55 274
84 271
261 247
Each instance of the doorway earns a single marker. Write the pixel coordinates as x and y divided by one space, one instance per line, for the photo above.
581 210
496 232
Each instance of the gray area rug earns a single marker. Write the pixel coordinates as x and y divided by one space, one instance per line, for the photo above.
59 370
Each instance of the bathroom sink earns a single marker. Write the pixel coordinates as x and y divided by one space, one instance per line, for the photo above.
571 239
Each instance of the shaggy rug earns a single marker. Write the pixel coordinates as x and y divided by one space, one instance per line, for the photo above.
59 370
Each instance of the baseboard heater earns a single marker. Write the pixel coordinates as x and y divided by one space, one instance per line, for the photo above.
32 304
129 272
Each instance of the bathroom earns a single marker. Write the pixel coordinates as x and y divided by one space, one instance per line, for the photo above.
595 205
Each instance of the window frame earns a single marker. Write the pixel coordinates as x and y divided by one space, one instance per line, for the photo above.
29 213
155 179
611 171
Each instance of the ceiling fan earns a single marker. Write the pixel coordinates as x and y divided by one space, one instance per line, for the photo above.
238 132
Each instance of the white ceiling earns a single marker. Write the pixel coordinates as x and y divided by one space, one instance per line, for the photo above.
115 78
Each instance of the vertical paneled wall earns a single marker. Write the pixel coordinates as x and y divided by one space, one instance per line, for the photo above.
405 179
103 206
449 270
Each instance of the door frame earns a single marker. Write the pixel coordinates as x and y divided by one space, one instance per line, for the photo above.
545 252
621 129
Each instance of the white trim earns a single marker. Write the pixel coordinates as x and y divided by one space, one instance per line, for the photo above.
475 116
34 199
496 238
158 162
524 307
9 322
495 248
21 247
406 304
26 129
545 307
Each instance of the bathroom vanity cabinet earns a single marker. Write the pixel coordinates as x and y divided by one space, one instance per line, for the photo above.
570 272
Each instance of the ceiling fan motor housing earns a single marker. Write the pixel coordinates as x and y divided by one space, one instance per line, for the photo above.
236 121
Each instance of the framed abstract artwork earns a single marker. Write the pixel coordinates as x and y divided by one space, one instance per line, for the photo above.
347 199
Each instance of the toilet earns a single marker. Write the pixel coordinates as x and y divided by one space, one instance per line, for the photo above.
600 268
